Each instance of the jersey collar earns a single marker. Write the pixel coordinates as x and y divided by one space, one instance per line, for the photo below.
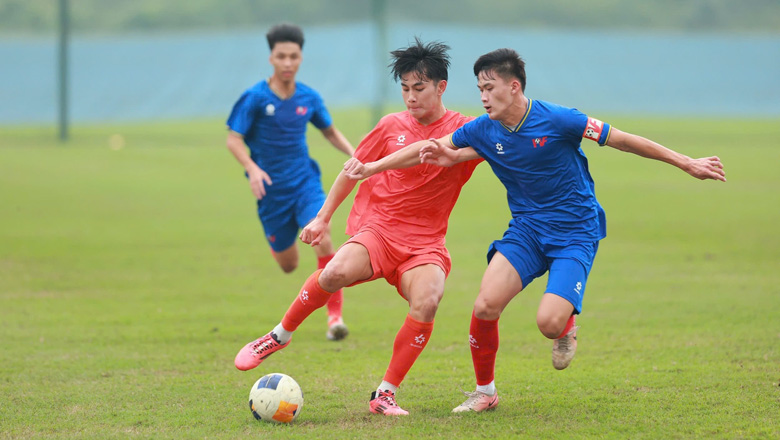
516 128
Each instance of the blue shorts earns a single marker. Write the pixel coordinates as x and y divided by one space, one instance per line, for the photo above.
283 216
531 256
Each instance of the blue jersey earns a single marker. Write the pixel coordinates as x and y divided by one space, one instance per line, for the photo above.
543 168
274 129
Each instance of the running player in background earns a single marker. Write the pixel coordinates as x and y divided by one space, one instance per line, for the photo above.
533 147
397 223
271 119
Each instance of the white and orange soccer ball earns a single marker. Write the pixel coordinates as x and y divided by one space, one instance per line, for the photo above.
276 398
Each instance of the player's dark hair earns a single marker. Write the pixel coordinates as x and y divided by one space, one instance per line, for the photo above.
283 33
429 61
505 63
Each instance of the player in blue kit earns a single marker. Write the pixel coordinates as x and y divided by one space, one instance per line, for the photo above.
271 118
534 149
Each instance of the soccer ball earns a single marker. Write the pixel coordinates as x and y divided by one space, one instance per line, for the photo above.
276 398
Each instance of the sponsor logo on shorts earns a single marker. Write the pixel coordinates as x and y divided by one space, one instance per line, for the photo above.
578 288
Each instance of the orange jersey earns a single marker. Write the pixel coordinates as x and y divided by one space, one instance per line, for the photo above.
409 206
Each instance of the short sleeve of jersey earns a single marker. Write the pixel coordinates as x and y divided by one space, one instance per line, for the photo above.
371 148
464 136
578 125
320 117
240 119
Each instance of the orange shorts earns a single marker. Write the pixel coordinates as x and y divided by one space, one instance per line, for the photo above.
389 260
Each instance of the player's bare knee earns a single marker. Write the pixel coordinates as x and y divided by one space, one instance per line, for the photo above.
333 277
425 307
550 327
486 309
325 248
288 266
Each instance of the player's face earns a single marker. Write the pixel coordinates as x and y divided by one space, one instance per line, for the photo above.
286 58
497 94
422 97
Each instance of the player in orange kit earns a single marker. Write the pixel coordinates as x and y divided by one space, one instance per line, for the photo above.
397 223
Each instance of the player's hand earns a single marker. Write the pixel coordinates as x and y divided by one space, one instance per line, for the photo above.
257 181
435 153
356 170
315 231
706 168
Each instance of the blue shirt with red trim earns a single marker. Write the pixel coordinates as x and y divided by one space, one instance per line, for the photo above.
274 129
543 168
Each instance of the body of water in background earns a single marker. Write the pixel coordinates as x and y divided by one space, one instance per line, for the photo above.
200 75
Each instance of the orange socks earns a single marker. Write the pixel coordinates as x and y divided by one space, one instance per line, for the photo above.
334 302
483 338
569 325
409 343
310 298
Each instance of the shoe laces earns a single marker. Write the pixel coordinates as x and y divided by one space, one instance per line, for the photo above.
263 344
564 343
387 397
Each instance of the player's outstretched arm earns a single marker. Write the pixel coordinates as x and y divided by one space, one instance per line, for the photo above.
257 177
406 157
338 140
443 153
357 170
703 168
318 228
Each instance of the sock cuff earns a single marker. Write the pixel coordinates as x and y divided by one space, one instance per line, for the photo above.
486 321
418 326
569 325
323 261
314 282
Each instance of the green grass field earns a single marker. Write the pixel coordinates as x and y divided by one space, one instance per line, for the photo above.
131 272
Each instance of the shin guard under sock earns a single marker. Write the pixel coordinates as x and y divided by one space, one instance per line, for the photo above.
483 339
409 343
311 297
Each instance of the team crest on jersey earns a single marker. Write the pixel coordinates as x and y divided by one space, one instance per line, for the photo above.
301 110
593 129
401 140
539 142
270 110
